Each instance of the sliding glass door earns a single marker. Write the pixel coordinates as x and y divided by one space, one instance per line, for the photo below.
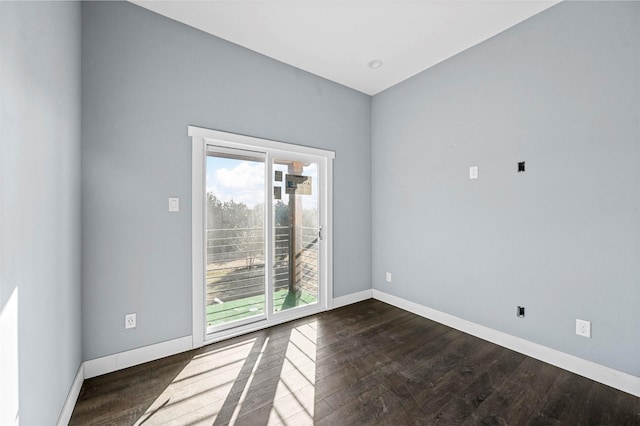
235 238
260 265
297 234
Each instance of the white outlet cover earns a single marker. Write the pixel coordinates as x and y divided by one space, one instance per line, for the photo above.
130 321
473 172
174 204
583 328
388 277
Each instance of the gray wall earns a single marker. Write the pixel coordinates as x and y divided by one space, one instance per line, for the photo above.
40 203
560 91
144 79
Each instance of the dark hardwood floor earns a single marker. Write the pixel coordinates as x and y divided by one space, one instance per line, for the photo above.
368 363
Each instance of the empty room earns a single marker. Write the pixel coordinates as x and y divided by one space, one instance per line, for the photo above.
323 212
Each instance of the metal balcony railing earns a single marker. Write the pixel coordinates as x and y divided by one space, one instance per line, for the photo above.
236 262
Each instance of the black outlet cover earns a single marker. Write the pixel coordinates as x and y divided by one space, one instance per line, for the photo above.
521 167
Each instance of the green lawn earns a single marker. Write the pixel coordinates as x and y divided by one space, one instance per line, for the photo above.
220 313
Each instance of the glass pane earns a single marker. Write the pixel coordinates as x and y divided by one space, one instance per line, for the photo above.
295 215
235 237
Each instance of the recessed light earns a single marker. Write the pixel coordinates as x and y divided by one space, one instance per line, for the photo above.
376 63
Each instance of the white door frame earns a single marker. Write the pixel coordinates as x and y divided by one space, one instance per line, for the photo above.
201 138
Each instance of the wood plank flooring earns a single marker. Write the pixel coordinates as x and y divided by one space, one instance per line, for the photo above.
367 363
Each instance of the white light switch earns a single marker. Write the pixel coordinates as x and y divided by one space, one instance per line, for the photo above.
174 204
473 172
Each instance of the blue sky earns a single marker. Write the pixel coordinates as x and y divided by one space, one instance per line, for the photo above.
240 180
243 181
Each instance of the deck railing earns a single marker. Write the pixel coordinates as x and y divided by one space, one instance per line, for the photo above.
235 262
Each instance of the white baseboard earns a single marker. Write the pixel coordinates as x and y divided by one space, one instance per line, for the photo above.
110 363
107 364
341 301
72 398
119 361
608 376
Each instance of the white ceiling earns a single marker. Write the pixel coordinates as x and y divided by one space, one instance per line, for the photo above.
337 39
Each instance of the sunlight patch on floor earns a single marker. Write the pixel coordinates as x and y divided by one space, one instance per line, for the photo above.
270 380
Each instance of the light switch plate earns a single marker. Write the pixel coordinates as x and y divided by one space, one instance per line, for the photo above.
473 172
174 204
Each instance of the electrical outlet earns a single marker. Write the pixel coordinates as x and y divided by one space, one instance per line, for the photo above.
130 321
583 328
388 277
473 172
520 311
